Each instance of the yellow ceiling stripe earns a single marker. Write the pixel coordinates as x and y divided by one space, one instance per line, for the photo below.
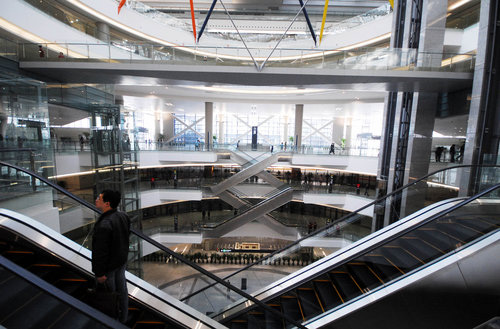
323 22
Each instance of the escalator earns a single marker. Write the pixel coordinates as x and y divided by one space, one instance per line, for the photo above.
247 172
341 290
249 212
25 294
60 264
245 210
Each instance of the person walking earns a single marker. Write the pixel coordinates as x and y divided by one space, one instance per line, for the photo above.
332 148
452 153
110 245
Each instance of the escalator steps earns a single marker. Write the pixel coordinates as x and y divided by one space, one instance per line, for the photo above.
327 293
239 324
346 284
400 257
460 232
291 307
476 224
309 301
366 277
436 238
420 248
272 320
382 266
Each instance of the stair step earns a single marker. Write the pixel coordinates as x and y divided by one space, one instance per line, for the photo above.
290 306
328 293
436 238
309 301
365 276
346 284
384 268
420 248
401 257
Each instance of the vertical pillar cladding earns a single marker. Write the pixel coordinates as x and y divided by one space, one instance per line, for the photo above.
299 117
209 123
102 31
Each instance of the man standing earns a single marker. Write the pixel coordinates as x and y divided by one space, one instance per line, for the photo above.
110 244
332 148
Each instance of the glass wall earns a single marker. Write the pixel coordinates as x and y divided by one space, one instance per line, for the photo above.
24 124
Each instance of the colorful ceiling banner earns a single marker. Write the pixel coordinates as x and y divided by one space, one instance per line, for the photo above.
308 21
206 19
192 19
121 5
323 21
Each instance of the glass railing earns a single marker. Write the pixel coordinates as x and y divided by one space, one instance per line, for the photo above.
405 201
38 198
358 59
8 49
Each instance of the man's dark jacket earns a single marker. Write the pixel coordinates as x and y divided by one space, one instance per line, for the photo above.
110 242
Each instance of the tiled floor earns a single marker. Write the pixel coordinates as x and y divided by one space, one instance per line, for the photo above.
180 281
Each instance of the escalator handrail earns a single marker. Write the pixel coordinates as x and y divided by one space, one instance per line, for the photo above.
198 268
59 294
332 224
53 185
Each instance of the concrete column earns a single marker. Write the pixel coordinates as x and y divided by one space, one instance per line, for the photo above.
221 139
3 119
478 105
168 125
209 124
432 33
299 117
423 108
337 130
102 31
285 129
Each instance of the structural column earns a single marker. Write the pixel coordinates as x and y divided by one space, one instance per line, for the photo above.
285 128
299 117
102 31
483 135
168 130
209 124
415 112
222 122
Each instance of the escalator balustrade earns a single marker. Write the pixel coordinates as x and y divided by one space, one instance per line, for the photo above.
372 269
18 303
25 306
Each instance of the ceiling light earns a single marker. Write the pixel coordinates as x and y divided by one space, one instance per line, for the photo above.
257 92
458 4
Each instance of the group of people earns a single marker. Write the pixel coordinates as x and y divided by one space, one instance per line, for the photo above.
41 53
440 150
